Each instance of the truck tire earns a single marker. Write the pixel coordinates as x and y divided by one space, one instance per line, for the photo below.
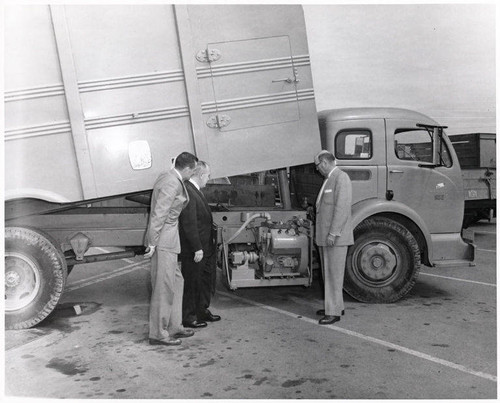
35 275
383 264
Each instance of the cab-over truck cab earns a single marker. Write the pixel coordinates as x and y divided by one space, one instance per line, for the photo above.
408 201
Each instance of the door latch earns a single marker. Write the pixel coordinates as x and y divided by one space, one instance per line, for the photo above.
289 80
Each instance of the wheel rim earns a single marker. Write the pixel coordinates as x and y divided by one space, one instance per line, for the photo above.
376 262
22 281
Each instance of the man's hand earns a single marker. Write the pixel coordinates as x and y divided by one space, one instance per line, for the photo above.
150 250
198 255
330 240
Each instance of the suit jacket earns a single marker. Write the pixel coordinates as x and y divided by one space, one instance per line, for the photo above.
333 212
168 199
196 228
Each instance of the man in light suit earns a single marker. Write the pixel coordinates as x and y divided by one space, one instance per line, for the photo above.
333 233
163 246
197 236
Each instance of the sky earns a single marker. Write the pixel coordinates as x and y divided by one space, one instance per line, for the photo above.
438 59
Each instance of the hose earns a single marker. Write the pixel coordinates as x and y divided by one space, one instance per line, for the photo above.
249 219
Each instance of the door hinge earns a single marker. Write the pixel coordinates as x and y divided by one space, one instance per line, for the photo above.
218 121
208 55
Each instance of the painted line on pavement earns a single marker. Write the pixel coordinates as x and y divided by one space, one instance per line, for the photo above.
143 265
458 279
384 343
36 343
486 250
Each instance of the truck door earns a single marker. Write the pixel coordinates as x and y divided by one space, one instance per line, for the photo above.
431 191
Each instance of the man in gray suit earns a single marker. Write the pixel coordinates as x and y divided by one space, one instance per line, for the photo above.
163 246
333 233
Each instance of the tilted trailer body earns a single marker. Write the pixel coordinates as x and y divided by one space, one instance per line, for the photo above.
100 99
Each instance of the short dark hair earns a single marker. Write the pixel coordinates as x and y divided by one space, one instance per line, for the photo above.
185 160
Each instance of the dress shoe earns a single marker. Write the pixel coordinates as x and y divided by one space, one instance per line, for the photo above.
194 324
209 317
328 320
183 333
321 312
165 342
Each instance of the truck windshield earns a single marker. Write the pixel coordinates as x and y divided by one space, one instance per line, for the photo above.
417 145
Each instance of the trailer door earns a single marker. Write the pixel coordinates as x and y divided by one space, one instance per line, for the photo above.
254 85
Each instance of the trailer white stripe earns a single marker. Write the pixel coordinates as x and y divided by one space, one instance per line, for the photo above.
384 343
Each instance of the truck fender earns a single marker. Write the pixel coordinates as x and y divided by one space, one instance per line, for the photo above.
371 207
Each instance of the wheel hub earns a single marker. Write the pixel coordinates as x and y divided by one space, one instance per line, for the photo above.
377 261
22 281
12 279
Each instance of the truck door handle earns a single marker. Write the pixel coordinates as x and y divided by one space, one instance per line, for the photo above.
396 171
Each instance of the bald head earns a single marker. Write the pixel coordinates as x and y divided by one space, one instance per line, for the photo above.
325 162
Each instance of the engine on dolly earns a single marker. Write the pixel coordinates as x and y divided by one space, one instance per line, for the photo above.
269 253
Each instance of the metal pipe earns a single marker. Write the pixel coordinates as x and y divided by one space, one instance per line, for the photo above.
284 189
267 216
71 261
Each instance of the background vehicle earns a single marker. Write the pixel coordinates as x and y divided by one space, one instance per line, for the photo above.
477 155
87 132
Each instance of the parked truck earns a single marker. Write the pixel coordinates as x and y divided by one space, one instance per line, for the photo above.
477 155
100 99
407 202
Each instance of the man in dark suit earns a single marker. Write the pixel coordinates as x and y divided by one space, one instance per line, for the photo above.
162 243
197 236
333 233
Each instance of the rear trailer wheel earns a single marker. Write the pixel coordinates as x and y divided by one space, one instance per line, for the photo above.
383 264
35 274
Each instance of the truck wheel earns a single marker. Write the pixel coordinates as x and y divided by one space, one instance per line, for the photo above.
35 274
383 264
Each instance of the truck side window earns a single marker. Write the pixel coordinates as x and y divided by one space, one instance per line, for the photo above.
353 144
416 145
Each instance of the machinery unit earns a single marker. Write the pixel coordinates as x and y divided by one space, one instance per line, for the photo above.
263 252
